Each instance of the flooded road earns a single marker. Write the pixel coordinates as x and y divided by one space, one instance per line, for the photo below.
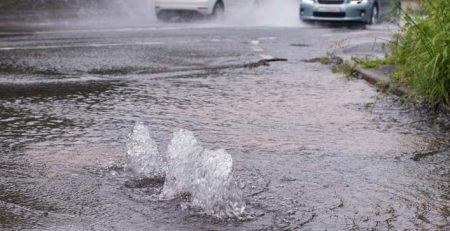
311 150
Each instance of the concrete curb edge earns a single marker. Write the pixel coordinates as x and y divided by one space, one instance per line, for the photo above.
379 79
376 78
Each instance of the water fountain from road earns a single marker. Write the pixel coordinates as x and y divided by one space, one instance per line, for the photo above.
188 168
144 158
214 189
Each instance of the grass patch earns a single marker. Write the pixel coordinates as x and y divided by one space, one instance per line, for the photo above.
346 68
421 51
325 61
370 63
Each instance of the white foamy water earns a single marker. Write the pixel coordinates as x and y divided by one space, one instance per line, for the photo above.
183 154
188 168
143 156
214 189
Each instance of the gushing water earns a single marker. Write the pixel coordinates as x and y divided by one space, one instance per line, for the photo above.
188 168
183 154
144 158
214 189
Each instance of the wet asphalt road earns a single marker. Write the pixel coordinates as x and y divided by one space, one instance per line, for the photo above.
312 150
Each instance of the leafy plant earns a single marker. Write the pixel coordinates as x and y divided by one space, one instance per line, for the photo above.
422 51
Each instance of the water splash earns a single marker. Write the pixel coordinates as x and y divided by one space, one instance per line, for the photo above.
183 153
190 169
143 156
214 189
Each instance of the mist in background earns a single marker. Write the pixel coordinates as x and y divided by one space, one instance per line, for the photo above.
76 13
275 13
136 13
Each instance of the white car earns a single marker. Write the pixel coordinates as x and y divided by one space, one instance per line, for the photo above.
166 9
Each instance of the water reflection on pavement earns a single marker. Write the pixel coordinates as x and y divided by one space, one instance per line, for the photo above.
311 149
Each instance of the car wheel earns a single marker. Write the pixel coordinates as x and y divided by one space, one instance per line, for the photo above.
374 16
218 10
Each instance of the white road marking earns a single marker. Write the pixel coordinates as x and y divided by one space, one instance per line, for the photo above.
266 56
257 49
268 38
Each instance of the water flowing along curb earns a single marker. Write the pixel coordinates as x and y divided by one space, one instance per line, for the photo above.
380 79
376 78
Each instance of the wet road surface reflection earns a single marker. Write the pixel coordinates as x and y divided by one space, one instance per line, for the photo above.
311 150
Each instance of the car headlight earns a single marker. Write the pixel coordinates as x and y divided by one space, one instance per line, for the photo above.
308 1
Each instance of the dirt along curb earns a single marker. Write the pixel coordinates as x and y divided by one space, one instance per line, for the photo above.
352 54
381 77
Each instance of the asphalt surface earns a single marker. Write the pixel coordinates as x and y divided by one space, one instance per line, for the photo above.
311 149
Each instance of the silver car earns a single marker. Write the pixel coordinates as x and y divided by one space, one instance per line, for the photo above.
365 11
166 9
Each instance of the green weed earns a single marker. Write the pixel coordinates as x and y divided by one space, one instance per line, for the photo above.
369 63
421 51
346 68
325 61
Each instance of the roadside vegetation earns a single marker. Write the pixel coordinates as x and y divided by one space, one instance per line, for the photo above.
370 63
347 68
421 51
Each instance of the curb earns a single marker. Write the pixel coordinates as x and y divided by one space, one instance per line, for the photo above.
376 78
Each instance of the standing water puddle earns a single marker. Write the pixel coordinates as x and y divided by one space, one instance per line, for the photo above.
306 149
